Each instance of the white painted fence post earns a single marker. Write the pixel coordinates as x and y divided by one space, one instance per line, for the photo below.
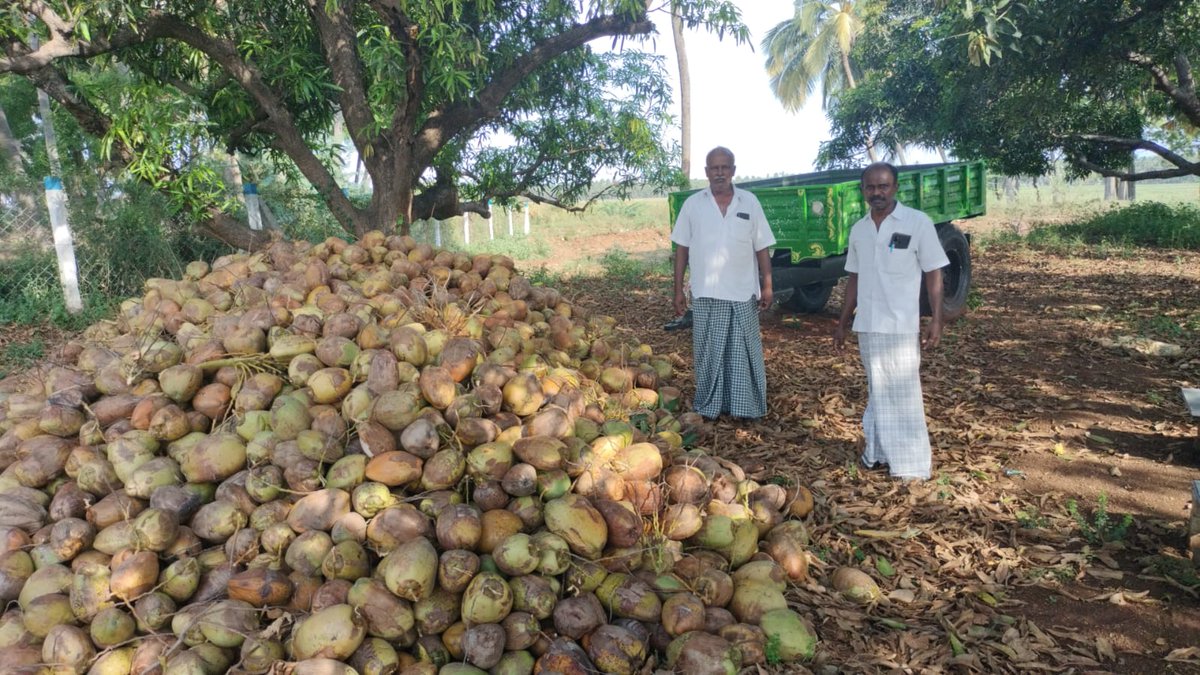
437 233
64 246
508 212
250 192
491 222
526 218
466 228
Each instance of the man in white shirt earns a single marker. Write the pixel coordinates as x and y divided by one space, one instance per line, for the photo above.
891 251
722 234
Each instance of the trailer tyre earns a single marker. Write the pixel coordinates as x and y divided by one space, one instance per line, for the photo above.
956 277
810 298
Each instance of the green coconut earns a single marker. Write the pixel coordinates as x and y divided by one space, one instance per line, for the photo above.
573 518
792 637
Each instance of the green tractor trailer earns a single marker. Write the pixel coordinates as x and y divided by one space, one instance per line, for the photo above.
811 215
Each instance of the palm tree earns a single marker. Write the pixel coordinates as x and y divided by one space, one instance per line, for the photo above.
814 47
685 92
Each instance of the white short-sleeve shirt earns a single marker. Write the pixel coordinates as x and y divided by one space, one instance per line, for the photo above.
721 249
891 262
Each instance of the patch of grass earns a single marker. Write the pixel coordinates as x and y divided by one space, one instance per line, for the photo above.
542 276
1115 231
1101 526
630 272
1031 518
974 299
1179 569
517 248
1161 326
20 356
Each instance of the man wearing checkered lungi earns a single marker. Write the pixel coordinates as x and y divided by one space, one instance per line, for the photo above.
722 234
891 250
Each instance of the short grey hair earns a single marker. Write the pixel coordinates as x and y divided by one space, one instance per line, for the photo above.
720 150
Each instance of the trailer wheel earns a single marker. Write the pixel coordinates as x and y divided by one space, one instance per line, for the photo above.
810 298
956 277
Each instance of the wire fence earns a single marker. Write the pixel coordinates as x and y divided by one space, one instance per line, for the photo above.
27 244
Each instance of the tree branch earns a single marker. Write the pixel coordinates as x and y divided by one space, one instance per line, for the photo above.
551 201
1183 94
339 44
405 31
1132 176
23 61
441 126
286 137
1133 144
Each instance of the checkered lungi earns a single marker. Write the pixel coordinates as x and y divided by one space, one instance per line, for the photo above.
728 355
894 421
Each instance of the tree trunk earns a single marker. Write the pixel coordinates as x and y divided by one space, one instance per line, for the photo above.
47 124
1110 188
854 85
901 158
226 228
10 147
685 94
1010 188
942 153
233 177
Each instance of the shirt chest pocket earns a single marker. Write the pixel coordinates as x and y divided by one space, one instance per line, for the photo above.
900 261
740 230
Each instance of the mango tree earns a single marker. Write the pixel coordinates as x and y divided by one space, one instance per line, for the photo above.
448 103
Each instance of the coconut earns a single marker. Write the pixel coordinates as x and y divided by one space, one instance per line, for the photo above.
68 648
855 585
516 555
487 599
319 510
703 654
459 526
574 519
410 570
133 574
752 599
111 626
15 569
483 645
375 657
152 611
793 638
386 615
578 616
630 597
534 594
395 468
258 655
683 612
261 587
614 649
334 632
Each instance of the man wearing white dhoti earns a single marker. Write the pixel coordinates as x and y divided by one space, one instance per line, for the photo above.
891 251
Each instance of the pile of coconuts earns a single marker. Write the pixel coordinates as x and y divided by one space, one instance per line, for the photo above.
378 457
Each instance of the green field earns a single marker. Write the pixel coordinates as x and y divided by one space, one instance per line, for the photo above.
1049 202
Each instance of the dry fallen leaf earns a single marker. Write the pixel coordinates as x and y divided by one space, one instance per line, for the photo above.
1184 654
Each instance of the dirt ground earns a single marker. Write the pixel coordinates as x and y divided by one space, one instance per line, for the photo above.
1030 414
984 568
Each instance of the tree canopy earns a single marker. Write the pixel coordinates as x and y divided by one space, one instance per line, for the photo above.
448 103
1023 84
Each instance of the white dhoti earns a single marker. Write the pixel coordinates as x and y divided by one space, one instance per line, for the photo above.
894 421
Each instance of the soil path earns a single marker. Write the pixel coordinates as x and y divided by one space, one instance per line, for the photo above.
1029 412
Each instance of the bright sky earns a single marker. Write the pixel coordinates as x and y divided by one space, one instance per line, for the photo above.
732 103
